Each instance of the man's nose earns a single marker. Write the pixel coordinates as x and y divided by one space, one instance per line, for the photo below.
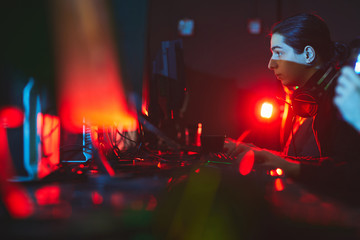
272 64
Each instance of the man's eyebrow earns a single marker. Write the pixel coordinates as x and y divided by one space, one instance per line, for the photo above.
274 47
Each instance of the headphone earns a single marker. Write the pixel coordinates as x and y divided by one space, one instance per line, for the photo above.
305 100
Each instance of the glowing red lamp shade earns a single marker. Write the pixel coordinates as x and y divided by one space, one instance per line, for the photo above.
266 110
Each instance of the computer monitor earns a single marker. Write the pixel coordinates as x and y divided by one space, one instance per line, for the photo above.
167 89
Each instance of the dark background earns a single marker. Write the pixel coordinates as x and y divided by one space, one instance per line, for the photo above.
225 66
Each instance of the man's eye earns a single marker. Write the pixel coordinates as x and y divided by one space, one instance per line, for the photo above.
278 54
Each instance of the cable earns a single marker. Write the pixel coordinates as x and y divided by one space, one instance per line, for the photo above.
126 137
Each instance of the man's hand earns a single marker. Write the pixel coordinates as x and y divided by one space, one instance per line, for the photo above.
233 148
262 157
347 97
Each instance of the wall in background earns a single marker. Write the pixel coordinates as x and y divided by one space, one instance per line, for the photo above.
224 63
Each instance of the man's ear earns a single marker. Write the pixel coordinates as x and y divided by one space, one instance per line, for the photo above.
309 54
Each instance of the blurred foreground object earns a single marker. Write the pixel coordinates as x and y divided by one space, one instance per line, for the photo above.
88 74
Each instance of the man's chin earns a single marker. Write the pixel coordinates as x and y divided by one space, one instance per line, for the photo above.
288 84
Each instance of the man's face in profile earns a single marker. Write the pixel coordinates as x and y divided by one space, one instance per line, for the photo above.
288 66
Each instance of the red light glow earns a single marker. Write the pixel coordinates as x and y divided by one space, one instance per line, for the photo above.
89 79
276 172
96 198
170 179
144 110
198 135
49 131
18 203
11 117
192 153
266 110
145 95
151 204
16 199
48 195
109 169
199 128
279 185
6 171
247 163
187 136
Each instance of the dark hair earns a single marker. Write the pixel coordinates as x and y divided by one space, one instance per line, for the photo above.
309 29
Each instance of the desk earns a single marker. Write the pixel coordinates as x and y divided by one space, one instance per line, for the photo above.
195 200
